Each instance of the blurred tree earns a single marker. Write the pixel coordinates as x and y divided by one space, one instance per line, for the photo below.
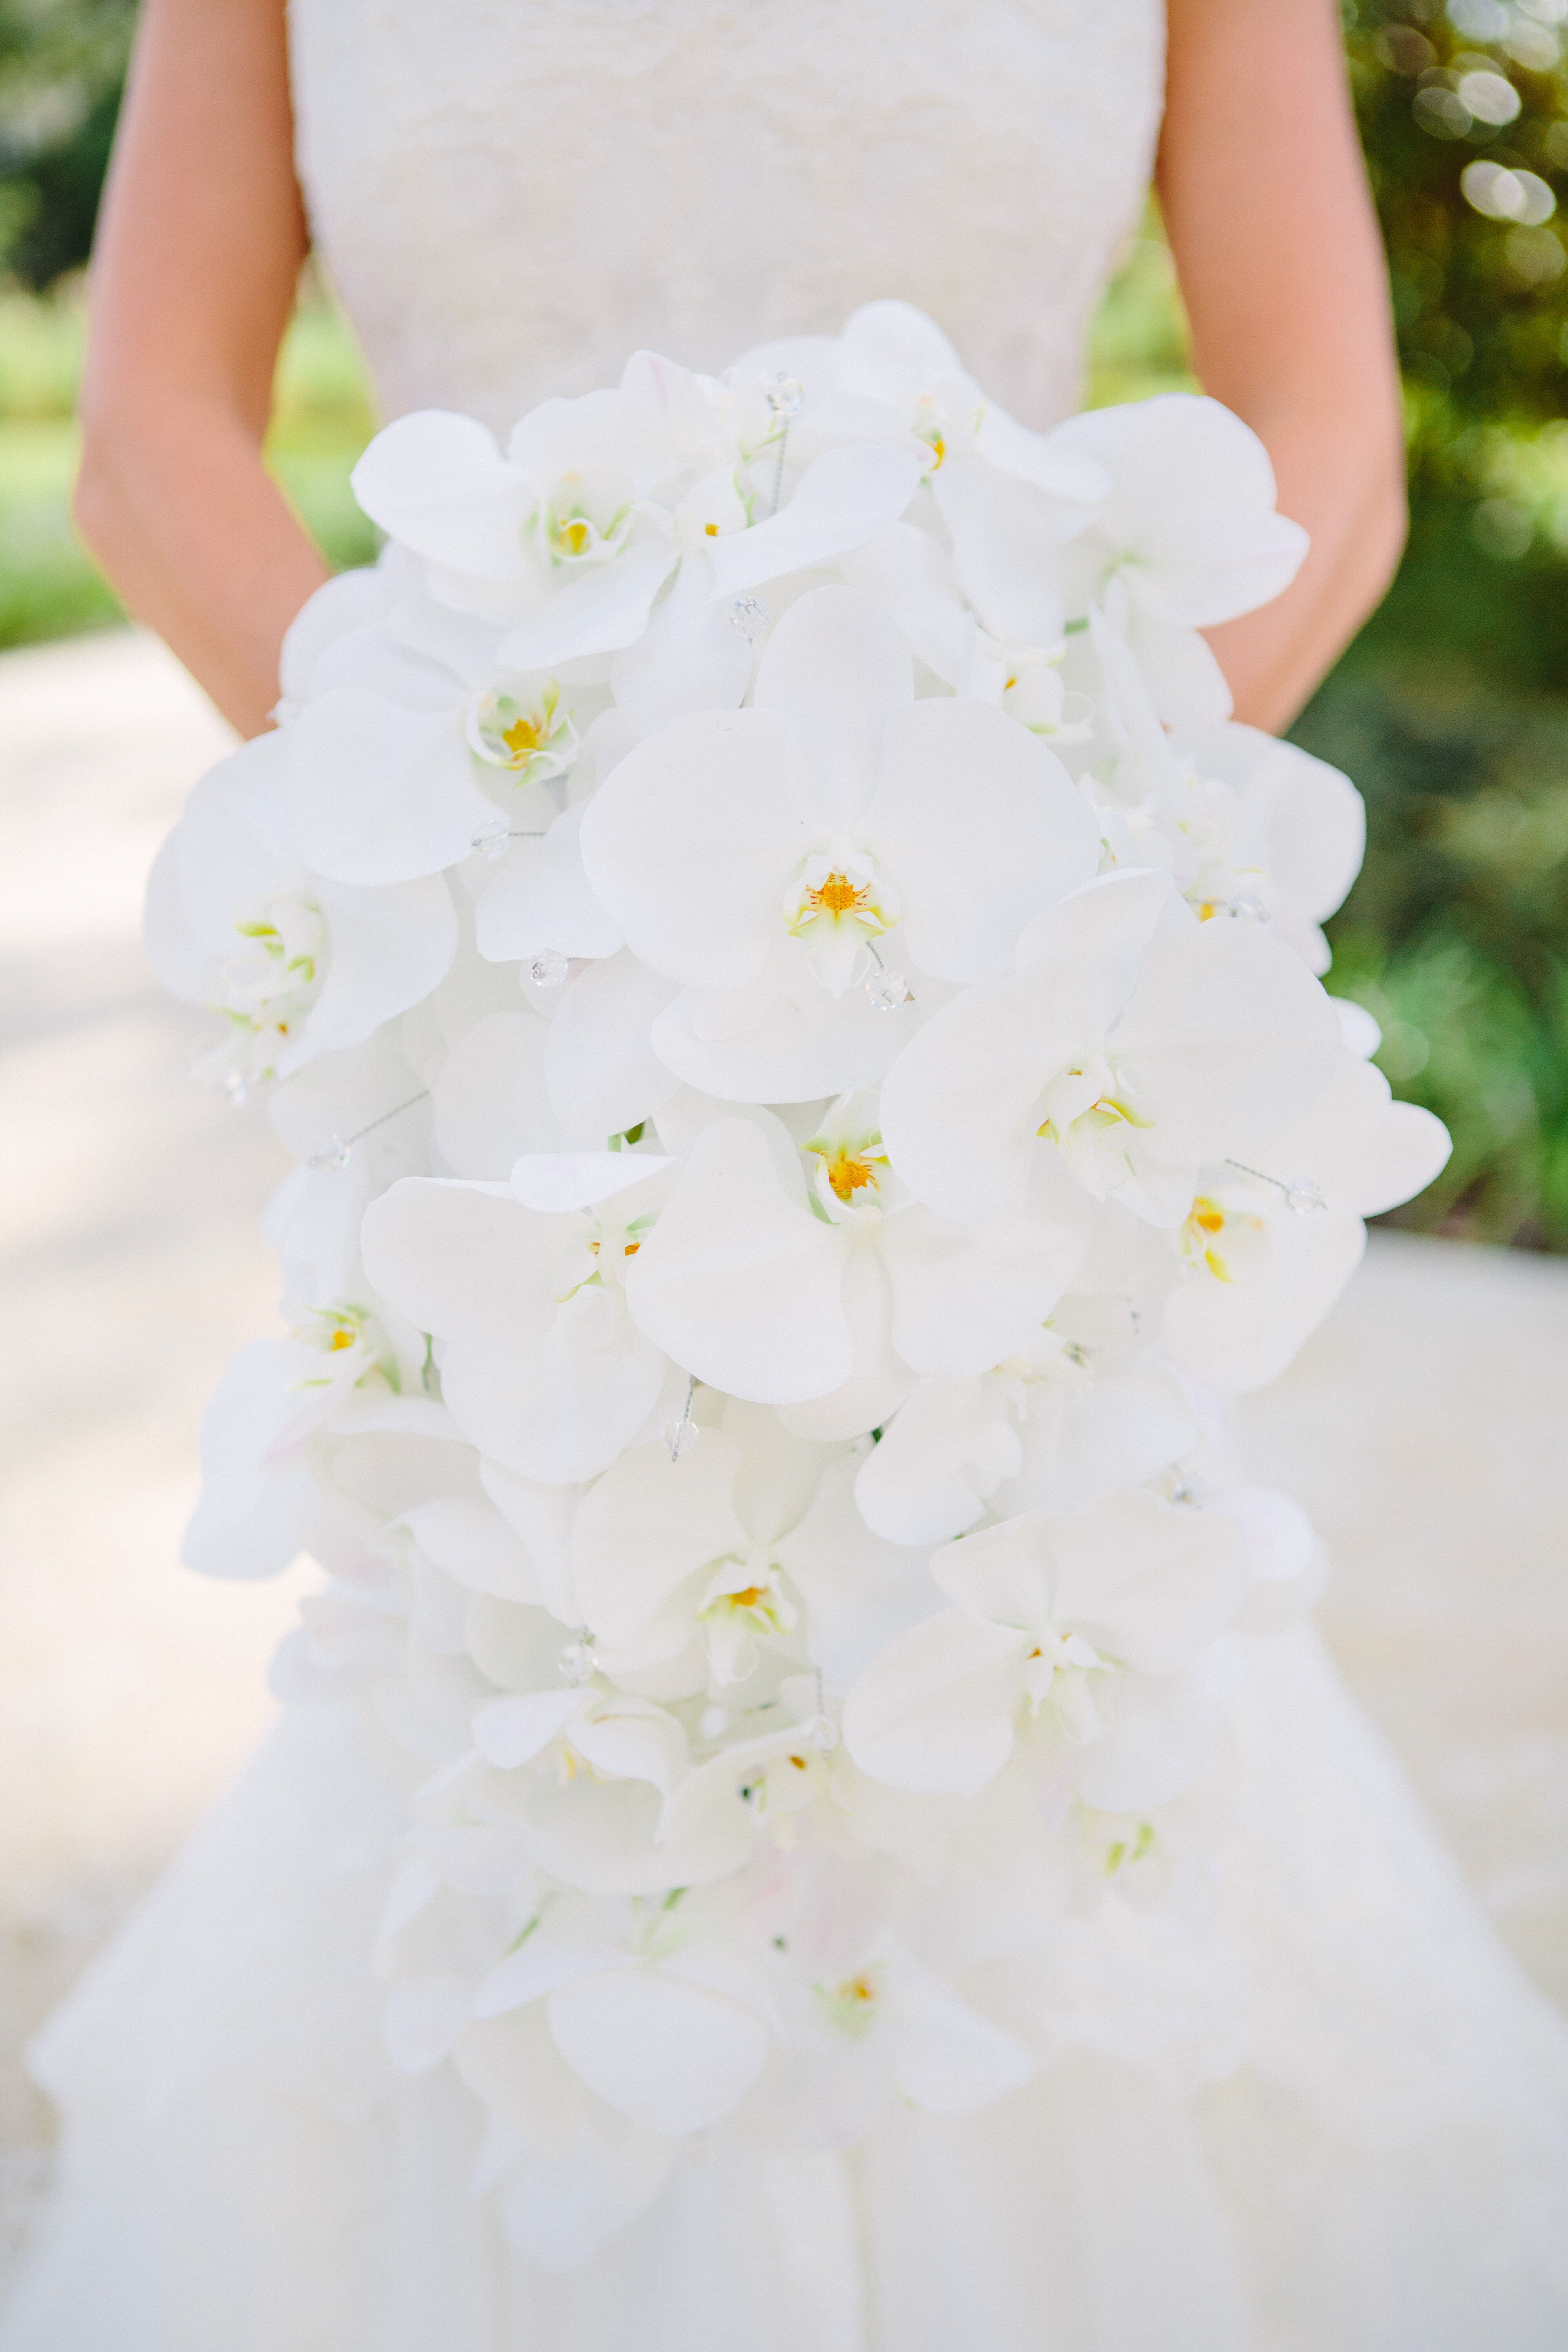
1451 709
63 63
1461 111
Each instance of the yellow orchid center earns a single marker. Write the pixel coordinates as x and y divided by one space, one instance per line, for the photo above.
341 1338
1225 1241
523 737
853 2002
573 534
837 896
849 1174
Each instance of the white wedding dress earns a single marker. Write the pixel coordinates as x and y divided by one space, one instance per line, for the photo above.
1330 2112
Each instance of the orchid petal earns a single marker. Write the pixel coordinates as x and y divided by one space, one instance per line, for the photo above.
933 1712
601 1071
673 2058
1163 1730
689 844
739 1283
598 612
490 1103
438 482
982 827
836 676
539 898
845 497
380 793
390 949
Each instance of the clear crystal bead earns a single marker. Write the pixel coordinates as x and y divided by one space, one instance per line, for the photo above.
334 1155
785 394
548 969
492 839
749 617
1249 906
236 1093
1304 1198
680 1436
713 1723
887 989
820 1732
576 1663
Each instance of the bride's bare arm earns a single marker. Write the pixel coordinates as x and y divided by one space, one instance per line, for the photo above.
1276 249
198 250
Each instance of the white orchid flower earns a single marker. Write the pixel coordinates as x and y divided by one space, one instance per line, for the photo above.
1188 537
1292 822
563 539
755 1294
782 1794
1288 1563
555 538
739 852
1269 1244
297 964
1249 826
669 2024
585 1773
561 1733
257 1500
883 2030
1009 498
420 746
909 575
1048 1427
1087 1628
421 742
1138 1042
681 1562
523 1287
714 1565
263 1499
1089 1432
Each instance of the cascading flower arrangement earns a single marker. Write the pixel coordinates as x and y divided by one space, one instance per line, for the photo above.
799 1018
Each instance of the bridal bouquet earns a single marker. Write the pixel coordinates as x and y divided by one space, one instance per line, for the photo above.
798 1016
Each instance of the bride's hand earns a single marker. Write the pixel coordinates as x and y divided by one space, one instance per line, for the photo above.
198 250
1281 267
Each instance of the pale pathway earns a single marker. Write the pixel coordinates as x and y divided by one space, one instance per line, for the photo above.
1423 1427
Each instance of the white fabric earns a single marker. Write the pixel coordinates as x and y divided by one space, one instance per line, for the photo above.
512 194
1383 2172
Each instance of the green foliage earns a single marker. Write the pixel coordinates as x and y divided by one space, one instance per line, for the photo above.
1451 709
63 63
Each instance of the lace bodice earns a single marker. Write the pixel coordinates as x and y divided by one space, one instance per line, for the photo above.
513 194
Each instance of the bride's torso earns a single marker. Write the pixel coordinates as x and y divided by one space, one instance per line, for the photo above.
513 194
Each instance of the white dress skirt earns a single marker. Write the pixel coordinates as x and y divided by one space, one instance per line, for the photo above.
1321 2109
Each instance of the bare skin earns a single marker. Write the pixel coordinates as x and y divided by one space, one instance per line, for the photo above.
1281 269
204 233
